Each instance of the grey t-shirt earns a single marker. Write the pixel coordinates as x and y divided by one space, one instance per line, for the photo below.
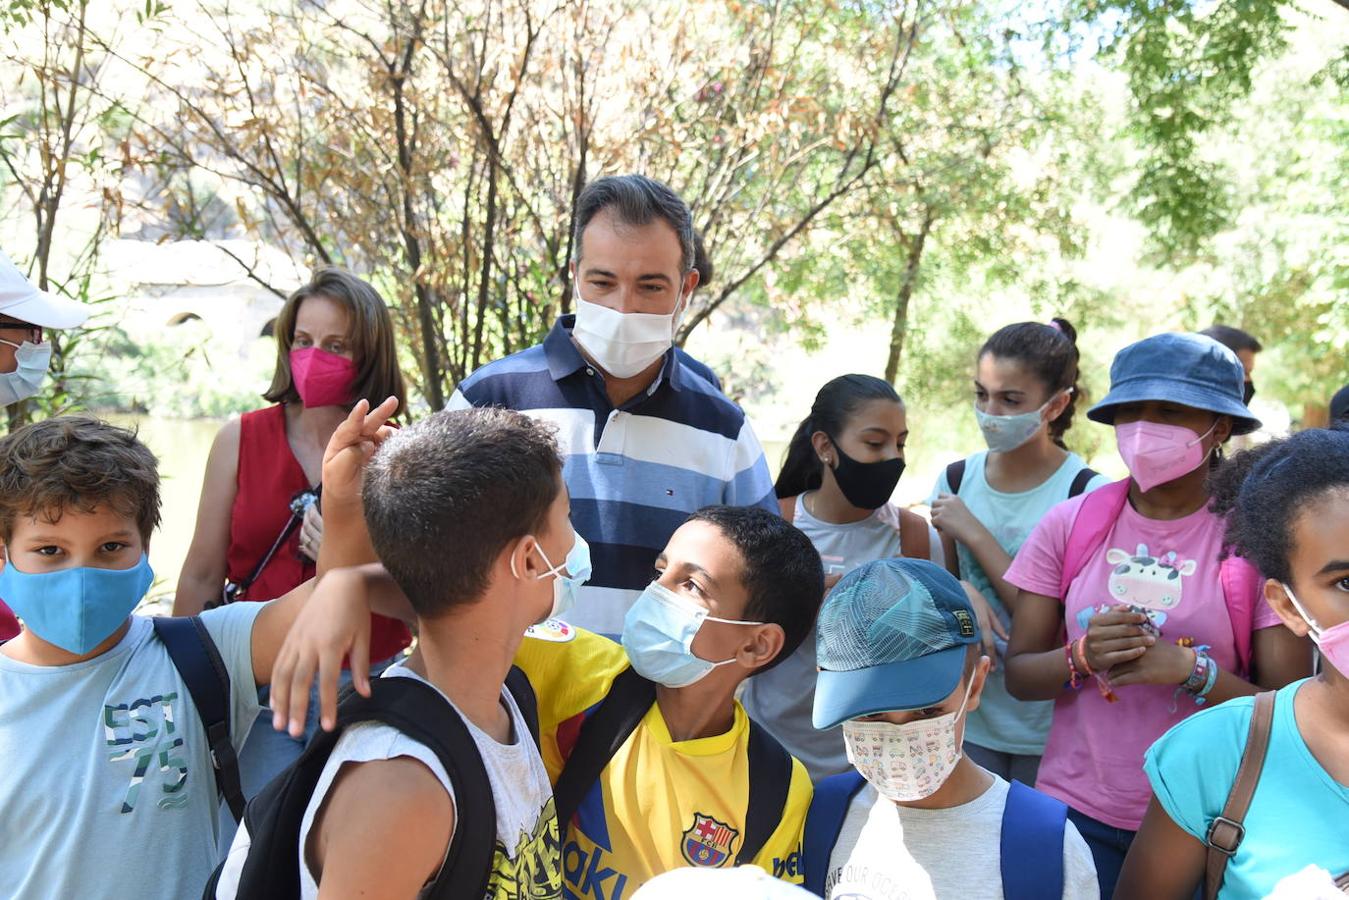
105 771
781 698
891 852
1002 722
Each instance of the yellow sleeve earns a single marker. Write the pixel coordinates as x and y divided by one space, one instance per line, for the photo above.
571 670
781 854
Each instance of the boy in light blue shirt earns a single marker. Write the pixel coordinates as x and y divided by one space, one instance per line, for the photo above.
107 775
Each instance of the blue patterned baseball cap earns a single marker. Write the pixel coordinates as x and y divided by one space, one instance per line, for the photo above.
892 635
1189 369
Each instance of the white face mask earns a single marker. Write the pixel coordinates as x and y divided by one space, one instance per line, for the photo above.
906 762
623 344
1004 433
23 382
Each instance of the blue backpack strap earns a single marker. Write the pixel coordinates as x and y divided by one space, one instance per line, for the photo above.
824 821
198 661
1032 844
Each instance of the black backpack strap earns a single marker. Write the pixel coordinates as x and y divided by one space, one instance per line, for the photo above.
198 661
517 682
1081 480
955 474
602 733
770 781
418 711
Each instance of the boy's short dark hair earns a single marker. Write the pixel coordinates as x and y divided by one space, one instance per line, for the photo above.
444 496
1233 339
80 463
783 574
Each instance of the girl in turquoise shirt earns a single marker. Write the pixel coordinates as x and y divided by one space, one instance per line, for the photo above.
1288 505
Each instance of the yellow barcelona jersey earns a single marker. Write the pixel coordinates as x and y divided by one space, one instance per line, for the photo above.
660 804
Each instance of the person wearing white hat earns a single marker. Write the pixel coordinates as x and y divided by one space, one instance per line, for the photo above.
25 312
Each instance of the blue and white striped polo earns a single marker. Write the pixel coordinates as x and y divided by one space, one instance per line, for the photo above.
635 473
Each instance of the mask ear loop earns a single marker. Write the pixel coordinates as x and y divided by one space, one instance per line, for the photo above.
1312 627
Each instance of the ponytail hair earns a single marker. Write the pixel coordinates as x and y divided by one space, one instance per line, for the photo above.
834 405
1049 352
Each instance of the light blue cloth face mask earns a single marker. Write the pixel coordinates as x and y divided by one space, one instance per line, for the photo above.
658 634
75 609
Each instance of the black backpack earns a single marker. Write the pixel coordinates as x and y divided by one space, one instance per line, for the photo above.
607 726
272 868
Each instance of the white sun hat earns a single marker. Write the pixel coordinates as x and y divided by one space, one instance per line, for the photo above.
20 299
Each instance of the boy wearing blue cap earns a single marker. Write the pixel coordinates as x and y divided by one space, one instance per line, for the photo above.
900 668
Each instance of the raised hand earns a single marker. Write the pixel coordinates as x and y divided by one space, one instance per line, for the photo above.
350 448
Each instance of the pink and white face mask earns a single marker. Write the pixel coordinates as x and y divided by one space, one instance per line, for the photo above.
1333 642
1156 454
906 762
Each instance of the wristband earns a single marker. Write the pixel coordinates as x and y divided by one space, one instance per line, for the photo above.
1202 698
1075 677
1080 647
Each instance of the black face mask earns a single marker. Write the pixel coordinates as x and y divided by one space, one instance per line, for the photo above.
1247 392
866 485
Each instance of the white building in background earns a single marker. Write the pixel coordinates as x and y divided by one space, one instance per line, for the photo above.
163 285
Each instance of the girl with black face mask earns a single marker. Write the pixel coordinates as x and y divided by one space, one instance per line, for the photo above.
835 485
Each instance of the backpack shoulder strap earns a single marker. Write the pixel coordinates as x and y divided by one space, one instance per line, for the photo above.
418 710
1083 478
1031 844
1241 587
198 661
517 682
1226 832
914 540
770 781
605 729
828 809
955 474
787 506
1094 519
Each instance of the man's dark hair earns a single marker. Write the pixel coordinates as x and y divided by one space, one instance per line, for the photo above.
1233 339
1339 405
77 463
701 261
443 497
635 200
782 575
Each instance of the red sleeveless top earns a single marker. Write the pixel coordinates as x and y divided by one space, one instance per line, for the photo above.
9 626
269 476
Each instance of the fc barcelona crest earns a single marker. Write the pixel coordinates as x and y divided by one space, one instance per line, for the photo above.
708 842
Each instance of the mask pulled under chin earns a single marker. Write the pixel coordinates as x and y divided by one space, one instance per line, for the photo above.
906 762
623 344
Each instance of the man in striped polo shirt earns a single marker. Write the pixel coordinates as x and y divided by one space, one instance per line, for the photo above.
646 437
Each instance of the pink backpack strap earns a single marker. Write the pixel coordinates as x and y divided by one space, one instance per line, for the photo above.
1241 589
1094 519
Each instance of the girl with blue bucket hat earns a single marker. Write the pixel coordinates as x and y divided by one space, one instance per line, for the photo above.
1157 623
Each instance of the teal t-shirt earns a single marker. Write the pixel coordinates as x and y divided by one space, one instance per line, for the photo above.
105 771
1002 722
1299 815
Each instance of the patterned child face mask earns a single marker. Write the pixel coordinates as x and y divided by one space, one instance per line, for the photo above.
906 762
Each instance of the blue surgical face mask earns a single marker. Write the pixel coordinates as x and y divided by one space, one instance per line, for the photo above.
75 609
577 572
658 634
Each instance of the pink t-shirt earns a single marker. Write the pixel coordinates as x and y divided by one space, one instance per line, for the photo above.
1094 758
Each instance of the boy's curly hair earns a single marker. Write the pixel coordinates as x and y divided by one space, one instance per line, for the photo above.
80 463
1263 490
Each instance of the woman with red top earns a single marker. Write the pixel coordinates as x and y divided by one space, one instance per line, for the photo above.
258 523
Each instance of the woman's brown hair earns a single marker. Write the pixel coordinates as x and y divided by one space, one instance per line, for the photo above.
369 330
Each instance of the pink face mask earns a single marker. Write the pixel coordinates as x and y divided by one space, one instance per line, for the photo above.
1156 454
322 378
1333 642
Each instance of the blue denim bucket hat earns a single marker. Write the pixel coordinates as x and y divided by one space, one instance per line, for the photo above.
1189 369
